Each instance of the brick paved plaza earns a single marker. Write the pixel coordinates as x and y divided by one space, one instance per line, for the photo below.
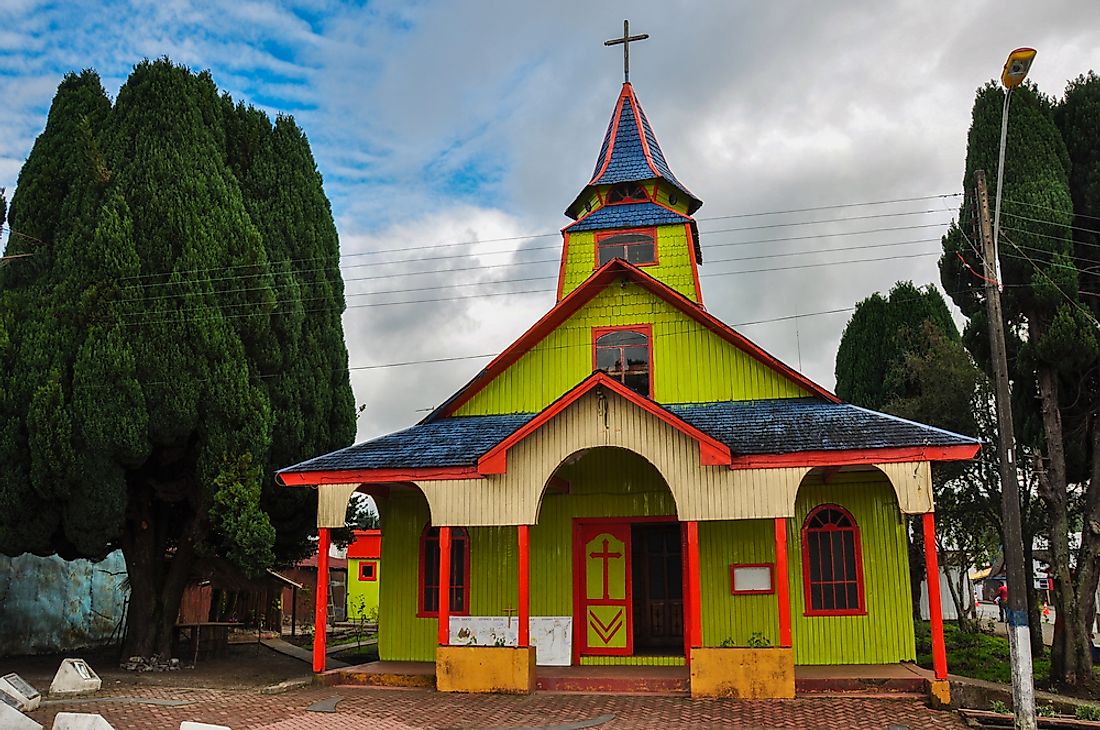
392 709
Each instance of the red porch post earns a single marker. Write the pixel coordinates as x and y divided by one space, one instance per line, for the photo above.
694 591
524 603
320 615
782 586
935 611
444 586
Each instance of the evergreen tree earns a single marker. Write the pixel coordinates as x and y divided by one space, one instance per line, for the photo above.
1051 337
168 355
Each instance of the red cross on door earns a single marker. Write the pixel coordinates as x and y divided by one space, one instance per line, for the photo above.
604 619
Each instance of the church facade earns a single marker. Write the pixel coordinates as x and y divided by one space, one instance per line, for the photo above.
634 482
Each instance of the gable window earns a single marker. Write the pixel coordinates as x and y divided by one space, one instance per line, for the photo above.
368 570
627 192
428 602
638 246
832 564
624 354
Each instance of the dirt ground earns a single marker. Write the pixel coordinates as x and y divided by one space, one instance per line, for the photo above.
244 666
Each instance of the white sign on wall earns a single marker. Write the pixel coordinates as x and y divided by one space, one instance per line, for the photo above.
552 636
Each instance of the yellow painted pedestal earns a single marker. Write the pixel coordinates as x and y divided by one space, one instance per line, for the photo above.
502 669
747 674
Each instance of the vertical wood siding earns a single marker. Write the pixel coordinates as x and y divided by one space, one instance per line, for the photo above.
690 363
885 634
673 256
727 617
401 635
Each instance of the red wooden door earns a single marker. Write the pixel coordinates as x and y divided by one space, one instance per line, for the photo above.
604 622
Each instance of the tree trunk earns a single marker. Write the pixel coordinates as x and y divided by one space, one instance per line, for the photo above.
1071 658
158 575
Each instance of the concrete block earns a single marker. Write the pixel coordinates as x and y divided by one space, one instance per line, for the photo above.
74 677
80 721
747 674
188 725
502 669
27 697
13 719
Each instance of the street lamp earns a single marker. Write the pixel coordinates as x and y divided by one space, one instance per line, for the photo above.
1014 73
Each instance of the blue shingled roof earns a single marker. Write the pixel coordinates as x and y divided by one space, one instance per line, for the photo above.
779 426
458 441
787 425
627 215
624 153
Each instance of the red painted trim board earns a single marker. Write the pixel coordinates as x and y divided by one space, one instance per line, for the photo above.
783 586
320 608
524 600
935 608
694 263
694 585
374 476
857 456
444 631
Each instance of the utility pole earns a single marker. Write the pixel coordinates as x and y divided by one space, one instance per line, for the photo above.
1019 635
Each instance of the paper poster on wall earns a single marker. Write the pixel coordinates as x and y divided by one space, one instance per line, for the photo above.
552 636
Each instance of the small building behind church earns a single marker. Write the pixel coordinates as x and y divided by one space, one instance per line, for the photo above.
634 482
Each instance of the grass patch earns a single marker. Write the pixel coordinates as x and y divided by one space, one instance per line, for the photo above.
978 655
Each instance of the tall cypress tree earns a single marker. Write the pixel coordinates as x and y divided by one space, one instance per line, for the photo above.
1051 338
164 364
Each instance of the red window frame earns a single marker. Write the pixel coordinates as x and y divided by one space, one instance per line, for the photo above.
650 231
733 586
642 329
429 540
373 573
809 610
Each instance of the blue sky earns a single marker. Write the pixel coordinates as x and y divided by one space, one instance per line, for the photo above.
478 121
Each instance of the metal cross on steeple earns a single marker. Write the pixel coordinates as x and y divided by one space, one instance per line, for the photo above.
625 41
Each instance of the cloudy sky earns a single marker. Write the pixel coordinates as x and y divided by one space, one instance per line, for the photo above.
452 135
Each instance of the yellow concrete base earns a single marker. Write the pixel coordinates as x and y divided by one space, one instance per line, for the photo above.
939 693
748 674
502 669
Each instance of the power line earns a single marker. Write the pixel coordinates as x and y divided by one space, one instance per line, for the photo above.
521 292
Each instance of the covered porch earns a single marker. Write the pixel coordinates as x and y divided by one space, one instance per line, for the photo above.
558 503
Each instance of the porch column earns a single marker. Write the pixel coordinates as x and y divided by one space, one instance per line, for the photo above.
320 615
782 586
694 592
444 586
524 601
935 611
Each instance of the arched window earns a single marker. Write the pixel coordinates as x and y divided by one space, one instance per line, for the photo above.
627 192
832 564
624 354
637 246
428 601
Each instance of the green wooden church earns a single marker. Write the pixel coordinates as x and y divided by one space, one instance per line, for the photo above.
634 482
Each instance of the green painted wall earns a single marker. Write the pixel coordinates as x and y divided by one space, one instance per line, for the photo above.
885 634
615 483
362 594
727 617
673 265
690 363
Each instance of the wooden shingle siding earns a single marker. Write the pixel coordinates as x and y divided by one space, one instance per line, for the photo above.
690 363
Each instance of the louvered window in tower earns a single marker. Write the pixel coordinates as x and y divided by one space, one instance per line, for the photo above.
638 246
624 354
832 566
